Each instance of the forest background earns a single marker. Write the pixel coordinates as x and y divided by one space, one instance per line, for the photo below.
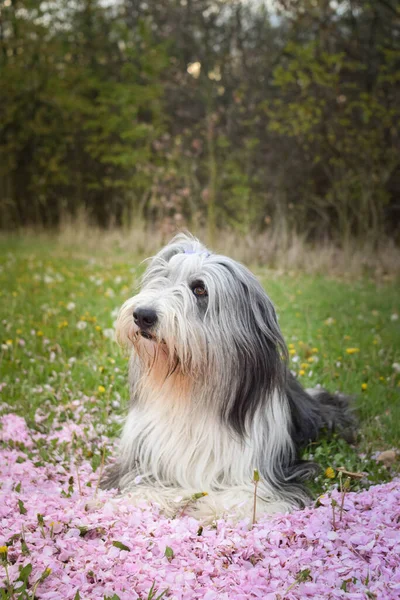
252 116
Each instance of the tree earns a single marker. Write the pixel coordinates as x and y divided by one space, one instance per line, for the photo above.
80 109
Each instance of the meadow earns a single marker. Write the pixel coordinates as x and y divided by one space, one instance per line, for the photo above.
63 394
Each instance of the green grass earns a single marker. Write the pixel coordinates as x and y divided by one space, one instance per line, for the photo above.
58 305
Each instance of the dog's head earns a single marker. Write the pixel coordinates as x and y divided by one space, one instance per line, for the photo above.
207 317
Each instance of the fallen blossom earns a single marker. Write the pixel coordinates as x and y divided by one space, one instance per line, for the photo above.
78 538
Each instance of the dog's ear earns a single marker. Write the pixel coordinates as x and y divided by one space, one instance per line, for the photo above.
259 349
263 320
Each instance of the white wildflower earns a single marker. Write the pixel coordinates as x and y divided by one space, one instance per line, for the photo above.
329 321
109 333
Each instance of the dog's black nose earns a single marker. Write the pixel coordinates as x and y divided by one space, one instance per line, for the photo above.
145 318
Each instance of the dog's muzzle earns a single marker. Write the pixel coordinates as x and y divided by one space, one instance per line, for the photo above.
145 319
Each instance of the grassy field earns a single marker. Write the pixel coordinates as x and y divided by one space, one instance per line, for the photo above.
58 307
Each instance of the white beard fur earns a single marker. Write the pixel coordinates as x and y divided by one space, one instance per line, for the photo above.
182 452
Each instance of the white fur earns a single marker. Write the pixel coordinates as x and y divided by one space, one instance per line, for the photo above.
174 443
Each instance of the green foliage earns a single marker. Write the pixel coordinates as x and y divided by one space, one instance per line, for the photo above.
211 112
121 546
169 553
152 593
79 110
342 128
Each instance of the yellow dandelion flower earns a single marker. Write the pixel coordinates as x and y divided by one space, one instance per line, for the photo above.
329 473
304 365
381 378
3 555
19 331
292 351
9 342
101 369
302 372
98 328
311 359
291 345
352 350
111 360
62 324
39 333
364 387
315 350
101 389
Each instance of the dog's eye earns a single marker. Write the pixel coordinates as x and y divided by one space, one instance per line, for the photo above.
199 289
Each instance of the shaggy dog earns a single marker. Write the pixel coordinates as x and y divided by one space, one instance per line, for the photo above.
212 398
